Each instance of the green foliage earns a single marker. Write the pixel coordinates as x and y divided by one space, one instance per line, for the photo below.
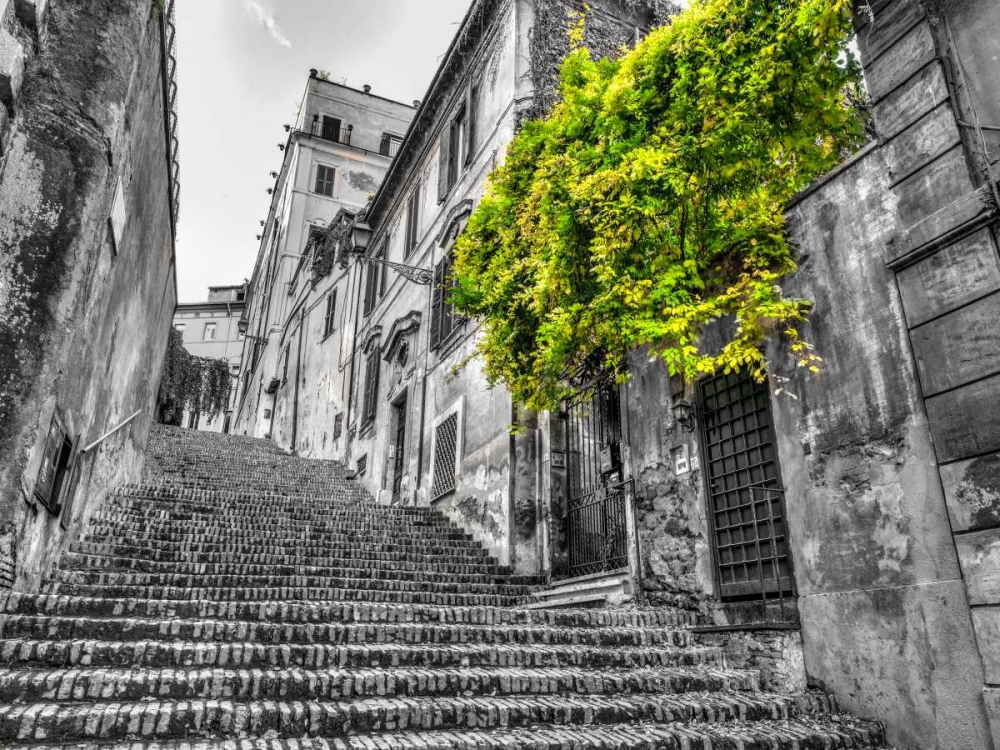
193 383
650 202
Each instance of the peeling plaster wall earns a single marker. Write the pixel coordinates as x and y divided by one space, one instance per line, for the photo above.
84 328
885 622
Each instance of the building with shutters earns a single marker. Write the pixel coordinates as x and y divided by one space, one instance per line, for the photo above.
335 157
211 329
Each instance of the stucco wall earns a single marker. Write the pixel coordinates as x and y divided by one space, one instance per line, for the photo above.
885 622
84 327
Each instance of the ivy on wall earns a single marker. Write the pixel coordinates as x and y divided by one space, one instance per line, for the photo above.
649 203
191 383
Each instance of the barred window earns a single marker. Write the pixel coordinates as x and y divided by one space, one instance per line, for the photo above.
371 388
362 464
445 447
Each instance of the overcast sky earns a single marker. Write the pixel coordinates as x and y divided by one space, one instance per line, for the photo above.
242 70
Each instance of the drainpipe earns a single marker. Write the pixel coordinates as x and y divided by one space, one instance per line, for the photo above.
298 380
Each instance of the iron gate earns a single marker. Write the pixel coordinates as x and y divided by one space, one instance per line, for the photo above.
745 495
596 527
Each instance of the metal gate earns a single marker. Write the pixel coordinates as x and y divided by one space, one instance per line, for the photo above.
596 526
745 496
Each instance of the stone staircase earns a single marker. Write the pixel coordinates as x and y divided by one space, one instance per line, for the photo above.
243 598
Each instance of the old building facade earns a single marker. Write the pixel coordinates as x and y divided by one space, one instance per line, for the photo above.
336 156
88 203
857 519
211 329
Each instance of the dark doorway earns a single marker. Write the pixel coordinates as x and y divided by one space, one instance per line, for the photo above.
746 502
596 526
398 448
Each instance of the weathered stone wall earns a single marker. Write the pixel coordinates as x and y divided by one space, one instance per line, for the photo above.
85 323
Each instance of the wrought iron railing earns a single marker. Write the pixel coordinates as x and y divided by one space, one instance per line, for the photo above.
170 68
597 529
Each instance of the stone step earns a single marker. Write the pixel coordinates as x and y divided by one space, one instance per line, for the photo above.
276 564
30 653
113 580
250 552
18 626
300 593
91 684
403 533
317 546
149 720
362 612
160 511
811 733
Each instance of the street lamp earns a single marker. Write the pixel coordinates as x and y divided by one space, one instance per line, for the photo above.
361 237
684 413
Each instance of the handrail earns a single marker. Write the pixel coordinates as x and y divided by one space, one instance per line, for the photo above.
108 434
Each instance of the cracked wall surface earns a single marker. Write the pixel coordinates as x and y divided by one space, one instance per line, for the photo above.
85 320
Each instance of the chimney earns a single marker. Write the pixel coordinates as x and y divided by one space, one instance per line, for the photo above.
416 104
367 89
313 72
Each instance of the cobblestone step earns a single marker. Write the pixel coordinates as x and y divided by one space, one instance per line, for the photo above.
297 593
284 611
812 733
185 563
227 631
126 685
22 653
229 719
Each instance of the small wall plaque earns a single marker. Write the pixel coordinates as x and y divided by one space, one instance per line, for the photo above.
680 460
558 460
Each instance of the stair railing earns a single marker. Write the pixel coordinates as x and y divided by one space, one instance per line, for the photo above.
109 433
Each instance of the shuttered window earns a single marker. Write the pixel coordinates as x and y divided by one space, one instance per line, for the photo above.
376 280
445 447
444 320
331 310
324 180
412 221
371 388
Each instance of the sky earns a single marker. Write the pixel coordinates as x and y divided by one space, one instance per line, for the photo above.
242 68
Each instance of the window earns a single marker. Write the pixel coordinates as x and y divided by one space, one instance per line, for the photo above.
324 180
444 321
457 144
338 425
445 452
362 465
56 465
210 331
376 280
284 366
180 327
457 147
330 128
371 388
331 309
390 144
412 222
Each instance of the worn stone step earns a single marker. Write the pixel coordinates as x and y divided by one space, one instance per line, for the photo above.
376 568
809 733
106 567
203 511
359 612
227 631
96 684
228 719
114 579
263 593
23 653
250 544
278 555
281 531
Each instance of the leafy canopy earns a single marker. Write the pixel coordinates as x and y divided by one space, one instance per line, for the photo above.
650 201
194 383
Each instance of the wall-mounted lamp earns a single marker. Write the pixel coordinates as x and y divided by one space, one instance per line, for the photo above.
274 174
361 237
684 413
287 128
281 147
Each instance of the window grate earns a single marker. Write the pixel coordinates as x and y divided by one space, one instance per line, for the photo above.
445 446
362 465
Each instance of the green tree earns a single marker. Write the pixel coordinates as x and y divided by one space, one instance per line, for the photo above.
649 203
198 384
